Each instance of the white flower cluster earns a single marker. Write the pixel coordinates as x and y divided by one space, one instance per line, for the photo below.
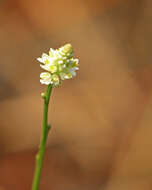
59 64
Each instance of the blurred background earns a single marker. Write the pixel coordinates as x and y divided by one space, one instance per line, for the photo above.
101 137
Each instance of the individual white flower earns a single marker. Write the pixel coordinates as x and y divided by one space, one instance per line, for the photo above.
49 67
45 78
44 58
59 64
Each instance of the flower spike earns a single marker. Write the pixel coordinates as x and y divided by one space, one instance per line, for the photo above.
59 64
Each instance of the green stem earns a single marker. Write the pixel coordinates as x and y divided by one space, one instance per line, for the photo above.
45 131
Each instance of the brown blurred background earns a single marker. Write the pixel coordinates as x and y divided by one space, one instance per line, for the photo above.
101 137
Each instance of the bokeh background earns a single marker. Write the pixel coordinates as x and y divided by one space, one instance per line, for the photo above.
101 137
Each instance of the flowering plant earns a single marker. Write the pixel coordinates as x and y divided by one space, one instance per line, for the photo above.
59 65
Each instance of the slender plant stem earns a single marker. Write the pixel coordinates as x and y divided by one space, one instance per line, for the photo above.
45 131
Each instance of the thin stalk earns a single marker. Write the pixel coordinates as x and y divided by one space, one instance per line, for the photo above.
45 131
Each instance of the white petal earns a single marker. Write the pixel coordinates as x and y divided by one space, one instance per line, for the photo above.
75 68
62 75
44 55
52 51
68 76
45 67
40 60
60 61
45 75
47 82
72 72
76 60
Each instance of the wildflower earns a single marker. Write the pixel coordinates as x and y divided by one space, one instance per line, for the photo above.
59 65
